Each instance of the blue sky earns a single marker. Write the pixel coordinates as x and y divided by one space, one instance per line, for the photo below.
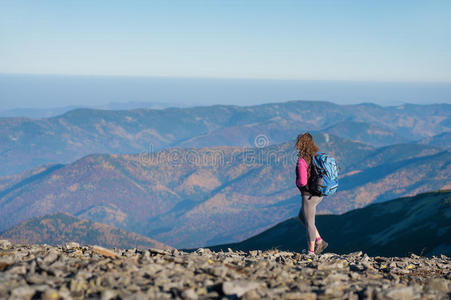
313 40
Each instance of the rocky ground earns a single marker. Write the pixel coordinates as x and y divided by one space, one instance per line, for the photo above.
73 272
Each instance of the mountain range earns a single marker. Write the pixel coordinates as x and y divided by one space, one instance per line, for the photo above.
442 140
59 228
26 143
419 224
37 113
189 197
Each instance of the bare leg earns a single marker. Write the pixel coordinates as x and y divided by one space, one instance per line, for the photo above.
311 246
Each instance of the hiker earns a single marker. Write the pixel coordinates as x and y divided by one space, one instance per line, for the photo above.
307 150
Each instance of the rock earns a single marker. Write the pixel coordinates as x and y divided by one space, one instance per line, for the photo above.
71 245
334 277
50 294
368 266
380 259
202 251
19 269
351 296
108 294
23 292
356 268
355 254
339 264
327 256
438 285
5 244
355 275
303 296
104 251
190 294
70 271
51 257
405 293
239 287
334 289
157 251
251 295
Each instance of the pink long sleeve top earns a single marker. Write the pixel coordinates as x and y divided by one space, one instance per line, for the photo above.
301 173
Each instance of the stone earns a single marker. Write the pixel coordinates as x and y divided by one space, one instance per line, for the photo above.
5 244
404 293
3 265
326 256
20 269
71 245
340 264
368 266
104 251
23 292
51 257
438 285
108 294
190 294
334 277
251 295
157 251
50 294
239 287
334 289
356 268
303 296
73 272
355 254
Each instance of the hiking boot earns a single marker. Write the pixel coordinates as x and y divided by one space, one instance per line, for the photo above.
308 253
320 247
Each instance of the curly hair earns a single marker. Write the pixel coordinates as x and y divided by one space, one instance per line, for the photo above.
306 147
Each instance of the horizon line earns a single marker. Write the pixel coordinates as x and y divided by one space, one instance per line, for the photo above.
224 78
194 105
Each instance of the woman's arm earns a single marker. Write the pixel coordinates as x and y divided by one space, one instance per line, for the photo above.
301 173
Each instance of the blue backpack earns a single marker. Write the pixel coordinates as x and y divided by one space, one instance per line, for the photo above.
323 175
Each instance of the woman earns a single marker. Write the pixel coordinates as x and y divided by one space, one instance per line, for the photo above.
306 152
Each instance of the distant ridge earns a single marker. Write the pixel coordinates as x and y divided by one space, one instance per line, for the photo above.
37 113
26 143
419 224
442 140
171 197
59 228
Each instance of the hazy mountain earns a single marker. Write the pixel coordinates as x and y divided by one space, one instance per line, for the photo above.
37 113
23 178
442 140
28 112
372 134
194 197
60 228
419 224
27 143
402 177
